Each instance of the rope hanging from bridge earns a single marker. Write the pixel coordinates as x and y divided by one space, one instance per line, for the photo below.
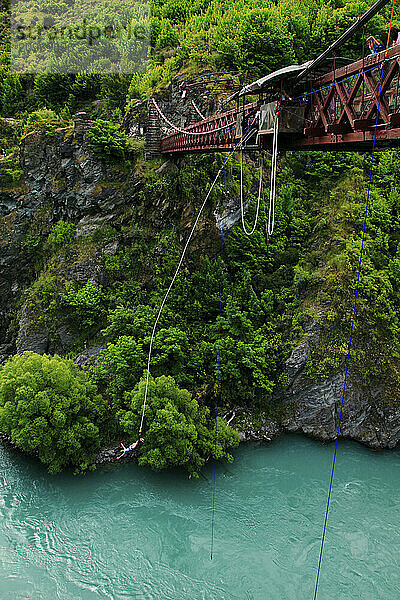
184 131
270 224
272 189
353 317
176 274
249 233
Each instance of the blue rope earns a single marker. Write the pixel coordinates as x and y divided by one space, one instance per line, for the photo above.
327 87
351 337
218 364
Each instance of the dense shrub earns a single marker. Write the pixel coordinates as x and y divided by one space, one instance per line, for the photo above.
84 305
62 234
178 431
45 120
49 406
106 140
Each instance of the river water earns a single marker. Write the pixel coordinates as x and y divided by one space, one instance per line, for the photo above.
125 533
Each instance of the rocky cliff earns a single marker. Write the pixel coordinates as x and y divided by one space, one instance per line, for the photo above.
64 180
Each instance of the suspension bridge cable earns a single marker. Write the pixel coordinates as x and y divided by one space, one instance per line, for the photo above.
185 131
197 110
352 318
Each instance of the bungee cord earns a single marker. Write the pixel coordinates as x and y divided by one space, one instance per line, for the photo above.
176 274
167 294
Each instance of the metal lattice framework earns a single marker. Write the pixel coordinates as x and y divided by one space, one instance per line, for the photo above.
341 109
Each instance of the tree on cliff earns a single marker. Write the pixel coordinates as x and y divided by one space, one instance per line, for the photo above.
49 406
178 431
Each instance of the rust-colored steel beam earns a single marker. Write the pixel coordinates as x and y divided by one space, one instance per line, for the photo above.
340 113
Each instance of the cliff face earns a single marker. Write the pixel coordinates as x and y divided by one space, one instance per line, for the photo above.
370 416
64 180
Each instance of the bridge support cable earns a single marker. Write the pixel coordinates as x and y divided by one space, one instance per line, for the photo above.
197 110
185 131
164 300
353 317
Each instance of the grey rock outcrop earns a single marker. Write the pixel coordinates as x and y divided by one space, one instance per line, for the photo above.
90 356
369 416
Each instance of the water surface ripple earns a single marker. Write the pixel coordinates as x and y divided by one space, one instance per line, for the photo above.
124 533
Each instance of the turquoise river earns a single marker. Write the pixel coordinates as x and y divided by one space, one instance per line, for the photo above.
125 533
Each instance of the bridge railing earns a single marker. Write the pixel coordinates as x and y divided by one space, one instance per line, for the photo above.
340 110
346 100
212 134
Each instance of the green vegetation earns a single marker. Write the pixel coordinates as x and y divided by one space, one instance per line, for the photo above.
50 407
62 234
45 120
106 140
272 293
179 432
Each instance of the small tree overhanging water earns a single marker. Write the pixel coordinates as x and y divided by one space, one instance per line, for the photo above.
49 406
178 431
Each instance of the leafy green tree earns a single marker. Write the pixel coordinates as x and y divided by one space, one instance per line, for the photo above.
178 431
52 90
84 304
127 321
106 140
49 406
11 92
120 367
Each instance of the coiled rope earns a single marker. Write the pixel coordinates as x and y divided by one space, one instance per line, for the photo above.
249 233
270 224
184 130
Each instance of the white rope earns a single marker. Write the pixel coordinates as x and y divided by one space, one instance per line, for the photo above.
167 294
272 189
184 130
174 278
249 233
197 110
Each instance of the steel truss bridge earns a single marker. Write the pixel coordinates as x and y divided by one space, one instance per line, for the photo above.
335 111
